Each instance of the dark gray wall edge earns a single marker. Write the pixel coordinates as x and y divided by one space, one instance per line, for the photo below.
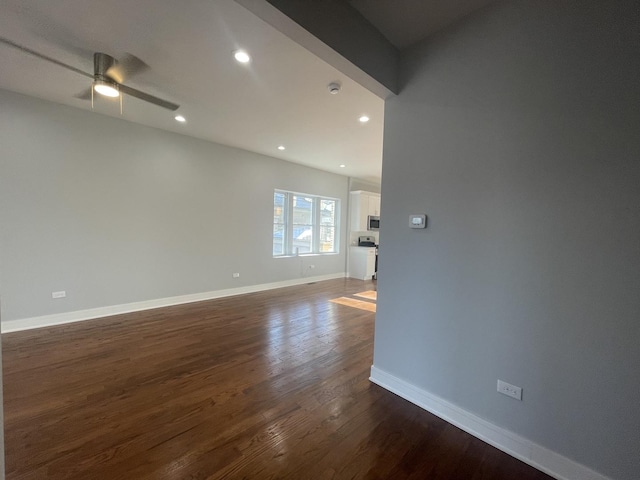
337 34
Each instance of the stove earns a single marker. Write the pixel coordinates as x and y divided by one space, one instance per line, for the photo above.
367 241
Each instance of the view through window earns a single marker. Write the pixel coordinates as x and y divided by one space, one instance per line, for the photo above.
304 224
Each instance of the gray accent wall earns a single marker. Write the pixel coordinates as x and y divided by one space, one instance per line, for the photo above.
113 212
1 417
518 133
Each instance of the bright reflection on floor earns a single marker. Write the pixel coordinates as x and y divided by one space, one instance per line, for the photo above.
298 334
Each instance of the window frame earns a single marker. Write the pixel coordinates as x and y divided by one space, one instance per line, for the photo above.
288 248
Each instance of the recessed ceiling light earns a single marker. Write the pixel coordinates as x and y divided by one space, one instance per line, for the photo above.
242 56
342 165
180 118
105 88
281 147
363 119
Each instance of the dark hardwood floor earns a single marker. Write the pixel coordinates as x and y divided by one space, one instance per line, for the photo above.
267 385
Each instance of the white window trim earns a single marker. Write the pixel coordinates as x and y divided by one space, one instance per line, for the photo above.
288 226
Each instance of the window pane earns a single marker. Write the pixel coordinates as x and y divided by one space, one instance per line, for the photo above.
327 239
303 239
302 210
327 212
302 224
278 207
278 239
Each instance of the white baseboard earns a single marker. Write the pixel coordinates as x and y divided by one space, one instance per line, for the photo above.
81 315
525 450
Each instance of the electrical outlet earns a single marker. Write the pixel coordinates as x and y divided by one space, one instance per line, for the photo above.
510 390
60 294
236 275
312 267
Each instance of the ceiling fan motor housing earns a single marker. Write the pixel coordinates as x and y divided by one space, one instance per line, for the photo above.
101 63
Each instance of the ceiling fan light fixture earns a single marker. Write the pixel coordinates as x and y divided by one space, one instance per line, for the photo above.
105 88
242 56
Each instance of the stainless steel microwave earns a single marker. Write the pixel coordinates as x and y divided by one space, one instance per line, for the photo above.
373 222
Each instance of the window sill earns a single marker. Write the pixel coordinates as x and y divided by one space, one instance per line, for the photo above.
307 255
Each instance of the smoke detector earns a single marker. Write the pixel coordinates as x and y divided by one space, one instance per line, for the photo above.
334 88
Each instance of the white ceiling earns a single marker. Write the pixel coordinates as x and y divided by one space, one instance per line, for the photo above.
281 97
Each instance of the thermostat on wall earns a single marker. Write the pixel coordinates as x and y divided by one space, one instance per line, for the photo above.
417 221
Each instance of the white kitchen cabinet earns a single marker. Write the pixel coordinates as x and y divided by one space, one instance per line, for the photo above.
358 209
363 204
362 262
374 205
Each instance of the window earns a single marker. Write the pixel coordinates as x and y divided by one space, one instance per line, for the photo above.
304 224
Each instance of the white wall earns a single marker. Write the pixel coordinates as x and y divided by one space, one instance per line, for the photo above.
518 133
357 184
113 212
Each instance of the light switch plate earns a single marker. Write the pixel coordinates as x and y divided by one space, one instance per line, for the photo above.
417 221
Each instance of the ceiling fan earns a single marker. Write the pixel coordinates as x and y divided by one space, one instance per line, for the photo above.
108 75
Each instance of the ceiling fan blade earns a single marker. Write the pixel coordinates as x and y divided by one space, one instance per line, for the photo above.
53 33
148 98
84 95
22 48
126 67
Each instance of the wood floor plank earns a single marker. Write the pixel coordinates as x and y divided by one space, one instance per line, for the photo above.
266 385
